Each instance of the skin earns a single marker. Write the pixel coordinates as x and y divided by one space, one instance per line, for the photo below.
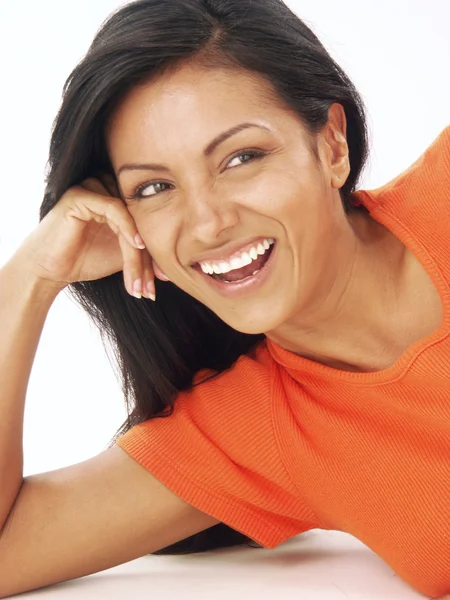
340 287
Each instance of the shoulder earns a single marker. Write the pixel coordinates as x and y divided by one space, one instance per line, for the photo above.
424 185
247 379
247 370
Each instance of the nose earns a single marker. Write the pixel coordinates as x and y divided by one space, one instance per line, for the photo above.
208 215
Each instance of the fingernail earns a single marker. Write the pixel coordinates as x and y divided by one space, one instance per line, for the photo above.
139 241
137 288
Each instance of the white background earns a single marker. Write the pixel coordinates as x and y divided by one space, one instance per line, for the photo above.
397 52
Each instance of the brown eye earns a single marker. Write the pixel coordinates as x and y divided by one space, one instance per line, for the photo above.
247 156
149 184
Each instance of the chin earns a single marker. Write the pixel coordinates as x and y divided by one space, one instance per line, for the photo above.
252 321
251 327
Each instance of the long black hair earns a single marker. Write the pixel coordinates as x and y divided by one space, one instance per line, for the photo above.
160 346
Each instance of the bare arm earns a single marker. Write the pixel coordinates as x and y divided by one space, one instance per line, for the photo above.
88 517
83 518
24 305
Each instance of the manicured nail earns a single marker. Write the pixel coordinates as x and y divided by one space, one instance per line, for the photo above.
139 241
137 288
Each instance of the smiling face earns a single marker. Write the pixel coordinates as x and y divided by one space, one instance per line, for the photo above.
231 176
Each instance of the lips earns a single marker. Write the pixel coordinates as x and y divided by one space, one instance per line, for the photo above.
228 252
245 271
248 286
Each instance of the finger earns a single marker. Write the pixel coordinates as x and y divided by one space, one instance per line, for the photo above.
112 211
95 206
132 267
117 213
148 276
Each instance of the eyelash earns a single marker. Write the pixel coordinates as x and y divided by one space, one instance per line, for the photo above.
137 193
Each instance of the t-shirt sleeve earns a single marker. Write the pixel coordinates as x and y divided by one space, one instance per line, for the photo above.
203 453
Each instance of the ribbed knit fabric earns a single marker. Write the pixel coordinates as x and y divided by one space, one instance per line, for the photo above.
280 444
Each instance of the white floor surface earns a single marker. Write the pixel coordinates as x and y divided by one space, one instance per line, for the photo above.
317 565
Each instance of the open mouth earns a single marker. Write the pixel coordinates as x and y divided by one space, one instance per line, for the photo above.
243 272
238 275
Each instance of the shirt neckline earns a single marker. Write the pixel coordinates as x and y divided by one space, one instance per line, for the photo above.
307 366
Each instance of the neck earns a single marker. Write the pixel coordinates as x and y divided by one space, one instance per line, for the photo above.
356 327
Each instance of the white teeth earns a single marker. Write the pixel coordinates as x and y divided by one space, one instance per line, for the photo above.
244 259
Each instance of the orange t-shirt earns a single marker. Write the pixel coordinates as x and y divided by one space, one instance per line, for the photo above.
280 444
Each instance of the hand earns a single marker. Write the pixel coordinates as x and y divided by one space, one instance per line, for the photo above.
88 234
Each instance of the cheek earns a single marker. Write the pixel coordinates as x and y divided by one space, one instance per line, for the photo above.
159 230
157 227
264 194
162 252
278 192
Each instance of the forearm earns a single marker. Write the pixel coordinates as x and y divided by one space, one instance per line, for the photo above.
24 305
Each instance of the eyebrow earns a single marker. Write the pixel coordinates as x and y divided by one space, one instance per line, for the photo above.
206 152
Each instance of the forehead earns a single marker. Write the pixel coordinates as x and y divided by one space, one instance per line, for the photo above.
209 99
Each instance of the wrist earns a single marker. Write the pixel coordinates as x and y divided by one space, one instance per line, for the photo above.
18 277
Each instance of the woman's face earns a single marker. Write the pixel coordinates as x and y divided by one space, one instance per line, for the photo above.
230 177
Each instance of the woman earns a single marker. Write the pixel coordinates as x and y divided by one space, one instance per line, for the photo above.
289 371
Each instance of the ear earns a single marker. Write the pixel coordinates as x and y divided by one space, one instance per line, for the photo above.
158 272
336 145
